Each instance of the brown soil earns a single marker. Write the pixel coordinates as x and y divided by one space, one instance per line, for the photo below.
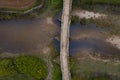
16 4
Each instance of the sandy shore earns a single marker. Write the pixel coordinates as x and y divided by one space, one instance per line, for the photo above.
87 14
115 40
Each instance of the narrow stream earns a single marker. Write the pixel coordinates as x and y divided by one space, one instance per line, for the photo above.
27 36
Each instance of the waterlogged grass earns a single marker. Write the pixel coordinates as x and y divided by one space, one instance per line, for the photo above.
112 22
88 69
16 16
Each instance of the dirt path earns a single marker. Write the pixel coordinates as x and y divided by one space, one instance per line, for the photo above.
64 42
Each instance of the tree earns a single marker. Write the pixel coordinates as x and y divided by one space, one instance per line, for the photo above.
64 47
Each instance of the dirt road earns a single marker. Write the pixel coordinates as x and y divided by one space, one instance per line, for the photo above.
65 40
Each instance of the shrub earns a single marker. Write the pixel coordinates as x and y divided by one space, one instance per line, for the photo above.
6 67
31 66
55 4
56 72
74 19
84 21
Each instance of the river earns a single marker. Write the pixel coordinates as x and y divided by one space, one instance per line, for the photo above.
26 36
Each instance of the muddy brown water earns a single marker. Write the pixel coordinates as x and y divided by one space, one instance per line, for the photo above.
88 39
24 36
32 36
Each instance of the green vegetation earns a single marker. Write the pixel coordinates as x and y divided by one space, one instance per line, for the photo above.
74 19
92 2
22 68
84 21
31 66
56 72
113 2
16 16
55 4
6 67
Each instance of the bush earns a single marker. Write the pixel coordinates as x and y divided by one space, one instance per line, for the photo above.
55 4
74 19
56 72
84 21
31 66
6 68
